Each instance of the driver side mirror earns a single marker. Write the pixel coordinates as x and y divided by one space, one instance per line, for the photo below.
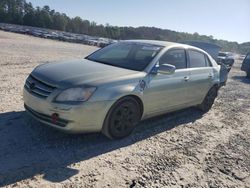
164 69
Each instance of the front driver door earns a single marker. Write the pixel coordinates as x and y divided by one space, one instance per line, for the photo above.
168 92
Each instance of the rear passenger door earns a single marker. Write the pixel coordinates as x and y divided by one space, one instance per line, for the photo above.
201 76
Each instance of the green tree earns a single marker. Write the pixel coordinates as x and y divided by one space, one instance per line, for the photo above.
60 21
29 15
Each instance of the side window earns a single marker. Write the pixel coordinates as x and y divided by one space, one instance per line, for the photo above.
174 57
197 59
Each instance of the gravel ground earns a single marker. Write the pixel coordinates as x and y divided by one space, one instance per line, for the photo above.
182 149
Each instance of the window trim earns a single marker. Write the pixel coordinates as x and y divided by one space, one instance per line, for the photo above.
208 64
176 48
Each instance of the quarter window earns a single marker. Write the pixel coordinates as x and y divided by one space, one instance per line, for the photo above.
175 57
197 59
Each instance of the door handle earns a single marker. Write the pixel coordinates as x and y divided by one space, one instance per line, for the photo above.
186 78
210 76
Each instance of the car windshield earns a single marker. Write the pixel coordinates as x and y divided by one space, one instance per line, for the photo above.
128 55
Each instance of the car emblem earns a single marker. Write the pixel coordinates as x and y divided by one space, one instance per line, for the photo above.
32 86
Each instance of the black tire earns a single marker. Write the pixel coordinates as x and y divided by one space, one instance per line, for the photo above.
208 102
122 118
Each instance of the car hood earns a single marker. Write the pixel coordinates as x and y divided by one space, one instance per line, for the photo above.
78 72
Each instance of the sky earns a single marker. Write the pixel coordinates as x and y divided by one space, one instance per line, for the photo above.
223 19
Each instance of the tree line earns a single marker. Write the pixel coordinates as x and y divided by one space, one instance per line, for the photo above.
23 13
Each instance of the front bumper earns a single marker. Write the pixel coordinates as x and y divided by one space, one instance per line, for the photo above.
87 117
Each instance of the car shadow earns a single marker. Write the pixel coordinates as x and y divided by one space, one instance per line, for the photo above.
243 79
29 148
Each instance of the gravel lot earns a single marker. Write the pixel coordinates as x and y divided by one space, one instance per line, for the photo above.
182 149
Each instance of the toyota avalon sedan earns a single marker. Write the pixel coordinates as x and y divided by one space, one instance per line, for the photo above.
114 88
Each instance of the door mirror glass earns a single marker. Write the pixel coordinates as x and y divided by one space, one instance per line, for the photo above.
166 69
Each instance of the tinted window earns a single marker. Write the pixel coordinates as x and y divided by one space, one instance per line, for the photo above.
175 57
197 59
208 62
128 55
221 54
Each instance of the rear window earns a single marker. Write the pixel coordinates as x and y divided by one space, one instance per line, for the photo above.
222 54
197 59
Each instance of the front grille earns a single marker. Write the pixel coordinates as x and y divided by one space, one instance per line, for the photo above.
60 122
38 88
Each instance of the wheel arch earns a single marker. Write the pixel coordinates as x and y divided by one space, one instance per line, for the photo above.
138 99
135 97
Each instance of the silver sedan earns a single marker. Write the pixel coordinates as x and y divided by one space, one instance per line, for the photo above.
114 88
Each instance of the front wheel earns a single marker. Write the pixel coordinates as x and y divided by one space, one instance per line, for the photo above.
208 102
122 118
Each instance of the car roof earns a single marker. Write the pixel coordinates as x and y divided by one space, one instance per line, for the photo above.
153 42
164 43
167 44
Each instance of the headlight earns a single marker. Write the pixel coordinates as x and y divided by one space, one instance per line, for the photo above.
75 94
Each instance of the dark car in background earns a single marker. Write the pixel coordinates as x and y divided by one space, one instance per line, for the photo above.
246 65
226 58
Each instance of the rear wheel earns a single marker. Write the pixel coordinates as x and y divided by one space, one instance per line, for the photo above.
208 102
122 118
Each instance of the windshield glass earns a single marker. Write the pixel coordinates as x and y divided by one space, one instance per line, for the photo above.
128 55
